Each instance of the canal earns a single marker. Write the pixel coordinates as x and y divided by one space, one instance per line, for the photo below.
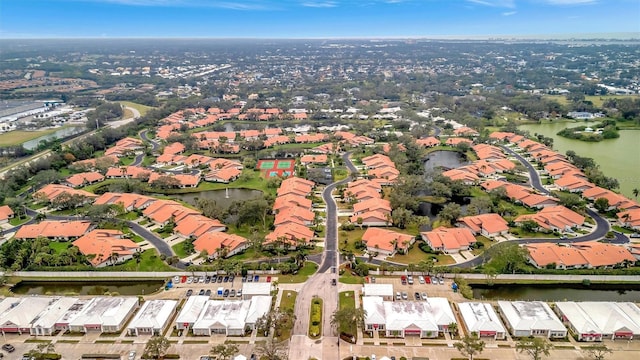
94 287
558 292
618 158
59 134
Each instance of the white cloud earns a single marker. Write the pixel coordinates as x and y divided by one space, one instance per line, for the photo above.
319 4
495 3
509 13
571 2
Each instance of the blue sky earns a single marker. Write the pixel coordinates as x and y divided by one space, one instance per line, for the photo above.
313 18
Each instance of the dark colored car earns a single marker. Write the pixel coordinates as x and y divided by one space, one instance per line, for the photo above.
225 279
201 292
220 278
8 348
189 292
231 278
207 279
417 296
333 282
256 278
208 292
226 293
244 278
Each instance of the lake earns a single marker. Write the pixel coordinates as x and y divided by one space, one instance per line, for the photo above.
558 292
220 196
618 158
442 159
59 134
137 287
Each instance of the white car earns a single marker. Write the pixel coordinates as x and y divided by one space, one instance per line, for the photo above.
189 280
132 355
176 279
420 279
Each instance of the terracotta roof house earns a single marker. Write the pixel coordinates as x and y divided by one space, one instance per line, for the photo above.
449 240
55 230
197 225
381 205
428 142
630 218
531 146
83 179
295 185
220 243
162 211
135 172
124 147
290 233
361 193
275 140
5 214
554 218
182 180
310 138
90 164
226 175
454 141
170 159
359 140
51 192
364 182
465 131
468 178
573 184
325 148
377 160
313 159
344 135
372 218
386 242
579 255
296 214
129 201
488 152
489 225
290 200
221 163
106 247
174 148
499 135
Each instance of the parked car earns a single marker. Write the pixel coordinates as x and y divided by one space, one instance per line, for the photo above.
403 279
225 279
410 279
333 282
441 281
398 296
231 278
189 280
416 295
423 296
249 278
373 279
420 279
207 279
226 293
232 293
220 278
208 292
268 278
176 279
202 279
132 355
239 293
405 296
427 279
634 235
244 278
189 292
201 292
256 278
8 348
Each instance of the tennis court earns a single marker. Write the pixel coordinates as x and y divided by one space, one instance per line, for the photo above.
285 164
276 167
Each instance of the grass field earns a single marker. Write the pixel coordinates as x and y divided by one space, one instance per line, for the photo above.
143 109
58 247
288 302
416 255
150 261
347 301
20 136
303 274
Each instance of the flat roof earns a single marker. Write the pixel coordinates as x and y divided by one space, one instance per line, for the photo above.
48 318
256 288
601 316
153 314
377 290
24 312
480 317
528 315
106 311
191 309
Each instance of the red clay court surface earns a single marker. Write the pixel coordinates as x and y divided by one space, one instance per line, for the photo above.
276 167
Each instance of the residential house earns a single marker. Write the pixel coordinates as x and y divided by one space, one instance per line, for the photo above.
320 159
128 201
386 242
62 230
596 321
629 218
554 218
104 247
220 244
83 179
198 225
5 214
290 235
449 240
381 205
455 141
51 192
588 255
490 225
481 319
428 142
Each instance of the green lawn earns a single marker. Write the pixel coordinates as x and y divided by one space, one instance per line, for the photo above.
254 181
287 302
58 246
621 229
519 233
599 100
19 220
416 255
129 216
18 137
126 161
348 278
179 250
487 244
143 109
347 301
351 237
303 274
150 261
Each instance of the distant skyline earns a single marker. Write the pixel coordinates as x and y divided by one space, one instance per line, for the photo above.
315 18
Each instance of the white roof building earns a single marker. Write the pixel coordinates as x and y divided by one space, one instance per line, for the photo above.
593 321
21 312
260 305
383 290
190 312
222 317
402 318
152 318
482 319
45 322
251 289
104 314
531 318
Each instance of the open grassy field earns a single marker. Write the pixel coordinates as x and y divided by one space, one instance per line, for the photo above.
415 255
303 274
288 302
143 109
347 301
18 137
597 101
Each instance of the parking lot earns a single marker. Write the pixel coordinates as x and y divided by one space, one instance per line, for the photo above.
407 286
218 287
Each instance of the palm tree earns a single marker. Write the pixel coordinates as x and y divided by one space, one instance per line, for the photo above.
349 318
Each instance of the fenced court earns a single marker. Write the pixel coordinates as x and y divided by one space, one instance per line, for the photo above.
276 167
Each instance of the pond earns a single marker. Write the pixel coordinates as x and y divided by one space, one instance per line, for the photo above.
618 158
558 292
138 287
442 159
59 134
222 197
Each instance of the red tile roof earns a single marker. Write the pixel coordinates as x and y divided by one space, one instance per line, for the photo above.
54 229
84 178
212 242
449 238
384 239
490 223
103 244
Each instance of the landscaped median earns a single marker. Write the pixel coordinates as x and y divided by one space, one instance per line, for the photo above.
315 319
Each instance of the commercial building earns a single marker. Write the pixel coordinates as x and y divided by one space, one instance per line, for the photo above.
153 317
251 289
228 317
425 319
595 321
45 322
104 314
531 318
481 318
190 312
385 291
17 314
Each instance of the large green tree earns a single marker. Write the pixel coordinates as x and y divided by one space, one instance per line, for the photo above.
535 347
470 345
156 347
224 351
